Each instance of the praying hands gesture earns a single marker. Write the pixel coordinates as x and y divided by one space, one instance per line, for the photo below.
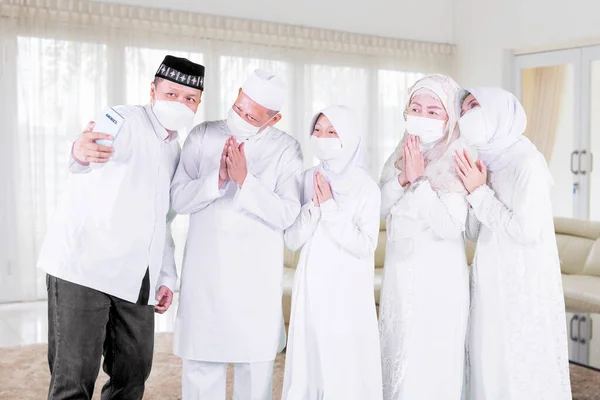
322 190
472 174
223 173
237 167
414 163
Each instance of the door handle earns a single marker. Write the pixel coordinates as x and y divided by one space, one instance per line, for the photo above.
573 170
574 338
591 161
582 172
582 319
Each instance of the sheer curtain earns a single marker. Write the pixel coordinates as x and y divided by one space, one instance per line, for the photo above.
543 89
63 61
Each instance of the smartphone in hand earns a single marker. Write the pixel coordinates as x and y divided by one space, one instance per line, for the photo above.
109 122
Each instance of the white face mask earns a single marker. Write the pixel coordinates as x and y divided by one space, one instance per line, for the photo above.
242 129
173 115
427 129
472 128
325 148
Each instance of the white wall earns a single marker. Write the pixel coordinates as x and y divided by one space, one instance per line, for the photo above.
486 31
398 18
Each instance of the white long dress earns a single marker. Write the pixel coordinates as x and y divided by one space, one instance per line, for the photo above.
333 347
424 303
231 286
517 346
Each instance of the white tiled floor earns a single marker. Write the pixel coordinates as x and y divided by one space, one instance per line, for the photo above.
27 323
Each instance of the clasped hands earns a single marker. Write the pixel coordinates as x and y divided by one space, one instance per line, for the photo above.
233 164
413 163
321 189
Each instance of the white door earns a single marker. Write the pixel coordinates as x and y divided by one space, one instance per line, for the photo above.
591 129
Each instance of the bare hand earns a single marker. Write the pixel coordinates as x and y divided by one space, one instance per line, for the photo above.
86 150
472 174
236 162
413 159
402 180
164 299
223 174
315 198
323 189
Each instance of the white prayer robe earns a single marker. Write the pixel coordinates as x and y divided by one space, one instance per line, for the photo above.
231 286
112 223
424 305
333 349
517 346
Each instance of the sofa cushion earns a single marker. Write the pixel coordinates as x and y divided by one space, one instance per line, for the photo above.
582 293
592 264
577 227
290 258
573 252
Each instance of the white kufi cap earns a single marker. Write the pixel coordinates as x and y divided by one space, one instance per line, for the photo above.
266 89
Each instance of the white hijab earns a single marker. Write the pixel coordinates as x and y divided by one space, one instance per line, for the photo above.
505 122
439 167
346 172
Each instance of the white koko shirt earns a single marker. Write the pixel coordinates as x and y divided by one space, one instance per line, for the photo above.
112 222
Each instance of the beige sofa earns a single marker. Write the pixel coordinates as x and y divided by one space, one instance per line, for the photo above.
579 249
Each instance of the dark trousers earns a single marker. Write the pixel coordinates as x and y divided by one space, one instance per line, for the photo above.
84 325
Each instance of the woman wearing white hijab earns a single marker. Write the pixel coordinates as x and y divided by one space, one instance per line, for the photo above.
517 344
425 294
333 347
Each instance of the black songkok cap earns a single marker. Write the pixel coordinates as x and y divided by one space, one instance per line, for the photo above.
182 71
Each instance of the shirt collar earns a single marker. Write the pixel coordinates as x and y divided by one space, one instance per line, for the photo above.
159 130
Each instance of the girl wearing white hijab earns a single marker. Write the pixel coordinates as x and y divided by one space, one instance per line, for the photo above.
425 294
517 346
333 347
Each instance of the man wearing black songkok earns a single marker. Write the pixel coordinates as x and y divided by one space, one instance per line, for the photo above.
108 253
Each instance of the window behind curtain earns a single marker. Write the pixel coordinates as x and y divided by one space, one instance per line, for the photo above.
61 85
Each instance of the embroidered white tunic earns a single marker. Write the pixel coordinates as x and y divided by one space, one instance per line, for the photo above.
517 336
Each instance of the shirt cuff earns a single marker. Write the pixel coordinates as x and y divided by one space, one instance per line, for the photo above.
169 282
394 186
423 195
478 196
75 165
245 192
328 208
211 186
311 212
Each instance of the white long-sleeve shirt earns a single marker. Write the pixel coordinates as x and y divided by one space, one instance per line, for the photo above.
112 223
231 286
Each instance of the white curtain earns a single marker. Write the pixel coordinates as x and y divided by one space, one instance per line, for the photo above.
61 61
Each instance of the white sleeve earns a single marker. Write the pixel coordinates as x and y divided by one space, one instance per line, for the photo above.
302 229
277 208
391 193
191 192
523 223
357 236
445 213
168 271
